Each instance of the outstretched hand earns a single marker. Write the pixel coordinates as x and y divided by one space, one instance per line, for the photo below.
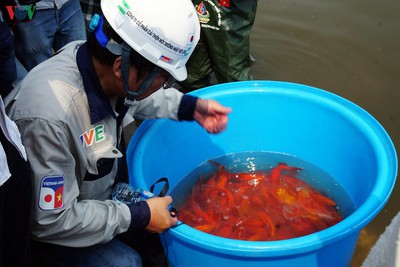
211 115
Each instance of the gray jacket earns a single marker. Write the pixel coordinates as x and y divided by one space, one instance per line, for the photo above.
71 143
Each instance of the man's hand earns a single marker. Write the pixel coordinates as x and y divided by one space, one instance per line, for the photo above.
211 115
160 218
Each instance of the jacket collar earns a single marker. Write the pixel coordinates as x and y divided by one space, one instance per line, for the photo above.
99 105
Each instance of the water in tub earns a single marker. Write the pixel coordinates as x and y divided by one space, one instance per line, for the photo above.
303 215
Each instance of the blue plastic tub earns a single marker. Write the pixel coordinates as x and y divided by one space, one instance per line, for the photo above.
309 123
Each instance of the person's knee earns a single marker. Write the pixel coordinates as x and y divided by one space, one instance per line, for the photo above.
122 254
130 259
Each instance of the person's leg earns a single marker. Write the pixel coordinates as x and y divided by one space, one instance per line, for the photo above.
228 39
112 254
71 24
8 72
21 71
33 40
148 245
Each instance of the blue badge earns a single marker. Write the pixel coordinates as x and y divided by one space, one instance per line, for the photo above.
51 193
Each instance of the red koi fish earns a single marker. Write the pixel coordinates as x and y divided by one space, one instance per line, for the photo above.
258 206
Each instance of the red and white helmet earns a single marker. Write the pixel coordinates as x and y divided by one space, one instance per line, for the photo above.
165 32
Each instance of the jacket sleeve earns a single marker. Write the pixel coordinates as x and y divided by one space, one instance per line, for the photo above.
165 103
59 216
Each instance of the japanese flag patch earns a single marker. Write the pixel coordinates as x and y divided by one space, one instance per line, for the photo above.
51 192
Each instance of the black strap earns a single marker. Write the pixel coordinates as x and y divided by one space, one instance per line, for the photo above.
165 188
122 109
123 167
173 211
125 65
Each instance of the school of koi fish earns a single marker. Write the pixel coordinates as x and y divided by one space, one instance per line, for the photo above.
258 206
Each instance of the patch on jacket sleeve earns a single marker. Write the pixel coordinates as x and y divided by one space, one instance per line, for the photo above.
51 192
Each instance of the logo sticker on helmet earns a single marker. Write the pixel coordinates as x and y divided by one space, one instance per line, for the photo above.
150 32
124 8
166 59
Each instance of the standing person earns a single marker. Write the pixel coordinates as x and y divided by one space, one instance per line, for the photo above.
224 47
55 24
11 69
8 67
70 111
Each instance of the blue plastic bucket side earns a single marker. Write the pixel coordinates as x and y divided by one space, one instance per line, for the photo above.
182 254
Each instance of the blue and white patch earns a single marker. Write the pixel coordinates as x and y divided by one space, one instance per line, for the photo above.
51 193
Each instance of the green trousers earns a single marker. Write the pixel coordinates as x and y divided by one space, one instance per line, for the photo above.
224 46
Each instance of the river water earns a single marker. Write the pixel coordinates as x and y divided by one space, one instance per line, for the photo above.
348 47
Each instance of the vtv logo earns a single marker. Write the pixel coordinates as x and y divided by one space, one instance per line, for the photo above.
92 136
21 13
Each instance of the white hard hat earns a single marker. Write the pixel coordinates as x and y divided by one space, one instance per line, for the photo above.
165 32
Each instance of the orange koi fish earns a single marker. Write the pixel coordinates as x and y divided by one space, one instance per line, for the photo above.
258 206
